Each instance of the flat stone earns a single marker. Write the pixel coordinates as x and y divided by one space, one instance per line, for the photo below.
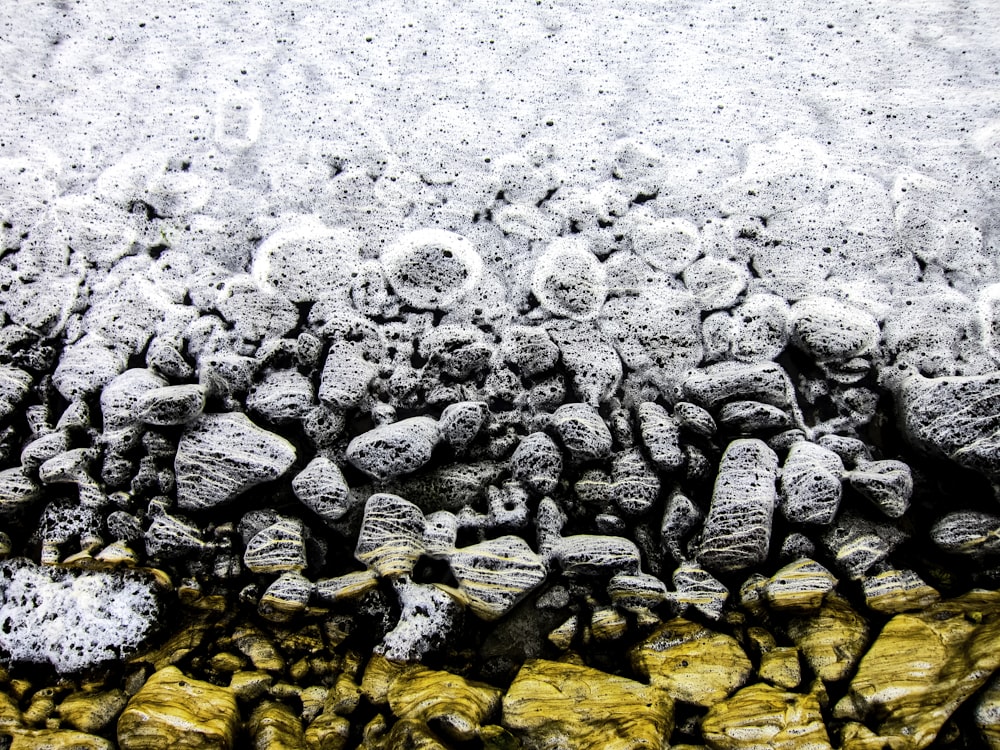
174 404
174 710
221 456
762 716
393 449
494 575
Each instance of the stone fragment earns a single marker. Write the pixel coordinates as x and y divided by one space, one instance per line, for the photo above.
254 312
221 456
680 518
92 711
593 364
800 586
18 492
955 417
714 385
832 331
857 544
811 484
923 666
582 431
888 484
661 435
274 726
669 245
174 710
321 488
762 716
698 588
895 591
286 598
556 704
14 387
394 449
691 663
461 422
592 554
121 397
529 349
432 269
967 532
171 405
637 593
349 370
737 530
171 536
306 260
57 739
328 731
779 665
569 281
347 587
392 535
496 574
428 618
750 417
692 417
537 463
282 396
636 487
761 328
832 640
277 548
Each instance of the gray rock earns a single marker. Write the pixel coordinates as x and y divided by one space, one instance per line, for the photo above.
730 381
760 328
428 618
171 536
750 417
172 405
680 518
582 431
967 532
121 397
888 484
537 463
660 434
696 587
282 396
832 331
347 374
569 281
432 269
635 486
955 417
496 574
394 449
692 417
529 349
811 484
716 284
14 387
255 313
593 364
40 450
321 488
461 422
221 456
737 530
456 351
392 535
18 492
857 544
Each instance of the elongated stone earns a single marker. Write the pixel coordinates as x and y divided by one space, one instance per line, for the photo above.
800 586
698 588
582 431
392 535
394 449
537 463
810 484
220 456
691 663
661 436
737 530
496 574
556 704
762 716
174 710
895 591
173 404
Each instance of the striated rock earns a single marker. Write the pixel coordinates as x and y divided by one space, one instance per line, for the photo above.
176 710
661 436
274 726
171 536
832 331
737 530
393 449
92 711
800 586
888 484
635 486
286 598
496 574
554 704
173 404
967 532
691 663
537 463
221 456
832 640
350 366
923 666
277 548
779 665
58 739
282 396
698 588
346 587
955 417
582 431
637 593
857 544
321 488
811 484
328 731
18 492
895 591
591 554
987 714
392 535
761 716
594 367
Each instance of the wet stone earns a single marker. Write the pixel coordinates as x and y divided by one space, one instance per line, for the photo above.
494 575
221 456
392 535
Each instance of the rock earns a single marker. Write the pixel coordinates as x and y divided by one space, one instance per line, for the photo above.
698 588
955 417
987 714
530 350
967 532
175 709
832 640
888 484
680 518
691 663
537 463
496 574
810 484
87 365
306 260
568 281
857 544
591 554
636 486
120 399
394 449
800 586
761 328
321 488
286 598
749 417
14 387
274 726
18 492
593 364
392 535
428 618
170 536
832 331
349 370
328 731
923 666
669 245
58 739
737 530
277 548
714 385
173 404
554 704
92 711
761 716
432 269
716 284
282 396
692 417
895 591
461 422
254 312
779 665
451 487
661 435
74 619
582 431
347 587
637 593
221 456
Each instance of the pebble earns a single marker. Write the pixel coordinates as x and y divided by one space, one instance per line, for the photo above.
529 349
393 449
171 405
282 396
832 331
537 463
496 574
810 484
321 488
569 281
660 435
277 548
391 539
432 269
220 456
582 431
593 364
14 387
461 422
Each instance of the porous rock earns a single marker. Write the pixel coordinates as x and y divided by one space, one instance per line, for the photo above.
494 575
537 463
321 488
811 484
221 456
393 449
171 405
583 431
762 716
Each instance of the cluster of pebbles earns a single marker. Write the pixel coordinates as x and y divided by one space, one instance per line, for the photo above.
570 471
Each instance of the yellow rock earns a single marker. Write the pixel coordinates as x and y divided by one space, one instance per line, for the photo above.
854 736
799 586
691 663
274 726
607 624
987 714
832 640
173 710
227 661
91 712
761 716
343 697
562 635
250 685
457 706
58 739
554 704
780 667
257 647
10 714
923 666
327 732
895 591
40 707
410 734
179 645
